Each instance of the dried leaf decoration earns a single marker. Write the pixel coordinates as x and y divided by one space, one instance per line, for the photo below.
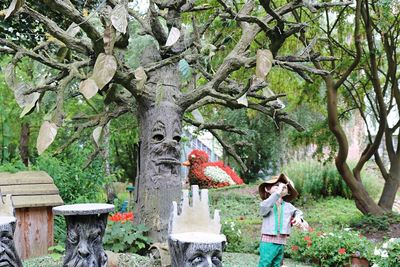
243 100
28 107
13 8
173 36
141 78
104 69
47 134
97 135
119 18
263 63
88 88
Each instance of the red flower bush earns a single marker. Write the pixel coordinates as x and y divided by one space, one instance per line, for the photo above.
341 251
295 248
307 238
122 217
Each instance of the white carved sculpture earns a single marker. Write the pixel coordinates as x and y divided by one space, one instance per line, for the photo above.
195 238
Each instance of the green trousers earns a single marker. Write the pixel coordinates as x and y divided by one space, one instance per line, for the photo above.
271 254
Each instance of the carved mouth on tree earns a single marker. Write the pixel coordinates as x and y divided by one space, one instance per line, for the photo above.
167 165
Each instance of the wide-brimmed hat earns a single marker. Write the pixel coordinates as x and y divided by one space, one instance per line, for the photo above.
292 192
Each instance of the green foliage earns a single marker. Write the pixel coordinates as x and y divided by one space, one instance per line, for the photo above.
75 185
56 252
126 237
316 180
328 249
371 224
388 254
330 212
233 236
259 148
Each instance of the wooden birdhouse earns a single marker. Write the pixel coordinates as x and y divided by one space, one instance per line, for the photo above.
33 194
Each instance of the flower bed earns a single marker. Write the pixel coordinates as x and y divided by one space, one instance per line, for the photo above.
329 249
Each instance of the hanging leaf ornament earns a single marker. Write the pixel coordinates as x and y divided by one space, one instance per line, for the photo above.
173 36
47 134
263 63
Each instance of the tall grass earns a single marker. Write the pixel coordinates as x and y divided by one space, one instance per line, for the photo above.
313 179
316 180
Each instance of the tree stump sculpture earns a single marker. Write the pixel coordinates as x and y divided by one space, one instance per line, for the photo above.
86 224
8 253
194 238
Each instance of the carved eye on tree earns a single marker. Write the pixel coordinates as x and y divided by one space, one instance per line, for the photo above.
158 137
177 138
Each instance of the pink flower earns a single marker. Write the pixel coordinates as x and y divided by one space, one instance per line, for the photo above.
341 251
295 248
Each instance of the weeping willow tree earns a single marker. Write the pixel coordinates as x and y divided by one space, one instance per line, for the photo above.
192 57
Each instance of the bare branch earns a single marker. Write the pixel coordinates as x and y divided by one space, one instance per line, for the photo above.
214 126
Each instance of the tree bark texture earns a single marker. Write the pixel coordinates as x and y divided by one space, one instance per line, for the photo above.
158 183
24 143
362 199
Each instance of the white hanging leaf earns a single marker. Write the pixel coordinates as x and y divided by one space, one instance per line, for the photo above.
173 36
119 18
97 132
73 29
47 134
243 100
141 78
197 116
88 88
31 105
263 63
104 69
13 8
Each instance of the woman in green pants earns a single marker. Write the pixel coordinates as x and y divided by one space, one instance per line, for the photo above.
278 217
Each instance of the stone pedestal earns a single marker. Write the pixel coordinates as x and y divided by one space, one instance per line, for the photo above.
8 254
86 224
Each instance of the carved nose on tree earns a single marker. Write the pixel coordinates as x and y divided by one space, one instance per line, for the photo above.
83 251
171 143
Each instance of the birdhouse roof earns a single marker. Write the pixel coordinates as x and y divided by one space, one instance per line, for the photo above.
30 189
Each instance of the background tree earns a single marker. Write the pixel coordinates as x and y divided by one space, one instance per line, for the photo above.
365 81
82 57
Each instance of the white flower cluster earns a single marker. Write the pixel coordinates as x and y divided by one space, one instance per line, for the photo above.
383 250
218 175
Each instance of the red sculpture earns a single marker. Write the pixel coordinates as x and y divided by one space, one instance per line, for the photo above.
209 174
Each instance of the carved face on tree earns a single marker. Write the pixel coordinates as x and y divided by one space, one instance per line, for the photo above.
84 242
163 141
8 254
203 255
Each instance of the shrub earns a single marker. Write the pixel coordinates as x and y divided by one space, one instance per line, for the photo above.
124 236
317 180
233 236
370 223
75 185
328 249
388 254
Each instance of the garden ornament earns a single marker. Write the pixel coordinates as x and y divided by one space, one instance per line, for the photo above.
209 174
159 170
292 192
86 224
194 238
8 253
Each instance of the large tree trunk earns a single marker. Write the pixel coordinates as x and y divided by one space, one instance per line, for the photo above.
390 188
159 183
362 199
